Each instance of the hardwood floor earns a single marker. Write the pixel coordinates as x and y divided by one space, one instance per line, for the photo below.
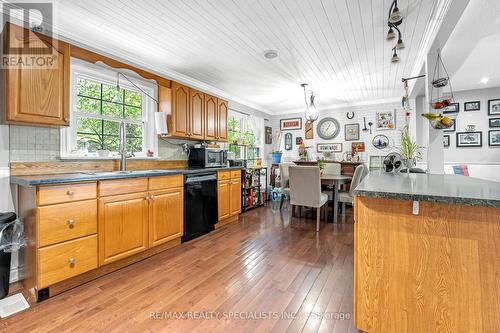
260 266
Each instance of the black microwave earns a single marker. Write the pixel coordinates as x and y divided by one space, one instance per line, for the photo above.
207 158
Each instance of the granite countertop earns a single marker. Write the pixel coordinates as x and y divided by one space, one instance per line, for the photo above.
95 176
448 189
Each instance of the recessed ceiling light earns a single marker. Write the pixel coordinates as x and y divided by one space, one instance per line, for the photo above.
484 80
270 54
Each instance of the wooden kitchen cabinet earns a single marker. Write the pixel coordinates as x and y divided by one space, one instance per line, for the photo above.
123 226
166 216
196 114
229 194
235 196
180 124
222 115
223 199
211 119
37 96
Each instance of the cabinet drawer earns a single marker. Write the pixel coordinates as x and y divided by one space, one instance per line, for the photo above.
63 222
165 182
53 194
236 174
223 175
122 186
63 261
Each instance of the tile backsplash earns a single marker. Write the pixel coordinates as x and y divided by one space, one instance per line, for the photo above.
34 144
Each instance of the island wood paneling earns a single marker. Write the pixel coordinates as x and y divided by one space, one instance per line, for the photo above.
437 271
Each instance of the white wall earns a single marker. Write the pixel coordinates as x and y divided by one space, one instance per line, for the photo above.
368 111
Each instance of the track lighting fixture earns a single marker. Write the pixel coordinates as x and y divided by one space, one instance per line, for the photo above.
400 45
395 19
390 34
395 58
395 15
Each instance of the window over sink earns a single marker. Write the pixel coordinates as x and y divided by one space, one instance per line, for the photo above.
100 100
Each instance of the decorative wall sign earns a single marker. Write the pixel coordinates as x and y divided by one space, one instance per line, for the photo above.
380 141
452 128
494 122
298 140
386 120
472 106
358 147
494 138
469 139
269 135
446 141
350 115
329 147
291 124
328 128
309 133
351 132
494 107
288 141
453 108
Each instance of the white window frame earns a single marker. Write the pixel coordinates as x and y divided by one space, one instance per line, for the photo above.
96 72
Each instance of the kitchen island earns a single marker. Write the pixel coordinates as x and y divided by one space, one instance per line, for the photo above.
427 254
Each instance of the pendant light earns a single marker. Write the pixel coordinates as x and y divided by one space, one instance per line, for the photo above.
312 112
395 58
395 16
390 34
395 19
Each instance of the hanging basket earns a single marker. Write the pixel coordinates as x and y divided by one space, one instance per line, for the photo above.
439 99
442 123
441 82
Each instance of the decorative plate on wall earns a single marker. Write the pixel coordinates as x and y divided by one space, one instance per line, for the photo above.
328 128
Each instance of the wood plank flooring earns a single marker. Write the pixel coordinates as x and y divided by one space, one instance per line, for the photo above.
261 274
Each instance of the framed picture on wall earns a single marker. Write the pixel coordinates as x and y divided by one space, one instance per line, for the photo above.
446 141
494 107
452 108
494 138
291 124
472 106
469 139
329 147
494 122
269 135
385 120
351 132
453 127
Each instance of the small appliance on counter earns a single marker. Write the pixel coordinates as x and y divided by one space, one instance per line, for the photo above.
204 157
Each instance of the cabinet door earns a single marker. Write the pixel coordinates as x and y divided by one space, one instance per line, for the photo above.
180 110
197 114
223 199
38 96
211 121
222 120
166 216
123 226
235 195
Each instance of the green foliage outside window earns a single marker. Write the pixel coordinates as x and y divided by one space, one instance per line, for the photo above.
242 142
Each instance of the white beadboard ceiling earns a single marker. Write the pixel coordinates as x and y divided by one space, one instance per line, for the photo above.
337 46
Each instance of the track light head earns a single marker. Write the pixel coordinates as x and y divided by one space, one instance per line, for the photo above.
400 45
390 34
395 58
395 15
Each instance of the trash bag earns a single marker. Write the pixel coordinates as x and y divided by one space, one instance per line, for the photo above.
12 236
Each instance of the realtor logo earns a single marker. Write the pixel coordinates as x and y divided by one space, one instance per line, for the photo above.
27 35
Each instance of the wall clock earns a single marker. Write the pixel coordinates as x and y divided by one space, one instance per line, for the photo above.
328 128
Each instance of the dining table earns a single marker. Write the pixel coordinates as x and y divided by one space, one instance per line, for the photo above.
335 181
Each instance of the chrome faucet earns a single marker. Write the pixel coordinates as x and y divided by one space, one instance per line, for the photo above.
123 147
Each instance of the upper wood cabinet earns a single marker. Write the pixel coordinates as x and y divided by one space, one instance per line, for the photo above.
222 120
196 114
37 96
180 110
211 119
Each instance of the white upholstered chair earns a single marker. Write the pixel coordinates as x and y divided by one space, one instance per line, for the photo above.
305 189
348 197
285 179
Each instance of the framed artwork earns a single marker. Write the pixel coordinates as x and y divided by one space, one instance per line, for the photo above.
494 138
269 135
329 147
298 140
472 106
494 122
385 120
380 141
469 139
446 141
494 107
453 108
351 132
358 146
309 134
288 141
291 124
453 127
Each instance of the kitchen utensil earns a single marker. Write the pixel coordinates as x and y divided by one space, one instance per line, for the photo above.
364 124
370 124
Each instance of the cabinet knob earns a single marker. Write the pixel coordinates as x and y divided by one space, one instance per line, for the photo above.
70 192
71 261
71 223
147 198
66 119
152 198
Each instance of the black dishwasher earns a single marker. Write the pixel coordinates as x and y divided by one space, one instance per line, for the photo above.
200 204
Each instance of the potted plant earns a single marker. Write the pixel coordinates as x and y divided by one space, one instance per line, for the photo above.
321 166
99 141
276 153
410 150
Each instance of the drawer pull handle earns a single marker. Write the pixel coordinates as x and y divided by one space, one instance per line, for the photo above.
71 261
152 198
71 223
70 192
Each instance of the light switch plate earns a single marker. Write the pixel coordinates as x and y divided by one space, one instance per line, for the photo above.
416 207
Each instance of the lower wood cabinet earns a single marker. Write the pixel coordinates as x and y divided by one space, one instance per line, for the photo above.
235 196
166 216
223 197
123 226
229 193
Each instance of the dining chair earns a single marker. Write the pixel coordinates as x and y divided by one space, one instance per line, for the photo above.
305 189
284 178
332 169
348 197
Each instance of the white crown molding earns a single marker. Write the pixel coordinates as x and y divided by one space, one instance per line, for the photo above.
345 105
